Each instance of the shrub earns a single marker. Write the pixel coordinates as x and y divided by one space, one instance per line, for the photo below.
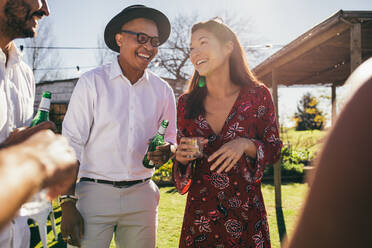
308 116
163 175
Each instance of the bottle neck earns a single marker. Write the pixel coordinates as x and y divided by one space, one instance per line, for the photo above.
161 130
44 104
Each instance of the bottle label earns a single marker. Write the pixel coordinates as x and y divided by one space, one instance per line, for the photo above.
161 130
44 104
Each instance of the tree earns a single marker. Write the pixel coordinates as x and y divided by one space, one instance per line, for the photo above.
43 61
104 54
308 116
173 58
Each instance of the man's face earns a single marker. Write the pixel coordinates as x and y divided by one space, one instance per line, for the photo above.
136 56
20 17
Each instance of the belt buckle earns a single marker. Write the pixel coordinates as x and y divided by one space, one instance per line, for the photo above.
116 185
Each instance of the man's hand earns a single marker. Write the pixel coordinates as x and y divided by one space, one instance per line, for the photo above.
161 155
72 224
21 134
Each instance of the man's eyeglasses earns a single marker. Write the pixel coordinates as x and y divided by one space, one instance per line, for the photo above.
143 38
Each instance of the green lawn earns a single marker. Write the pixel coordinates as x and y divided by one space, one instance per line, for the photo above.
171 211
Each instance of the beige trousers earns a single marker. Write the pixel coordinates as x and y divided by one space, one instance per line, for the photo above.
131 212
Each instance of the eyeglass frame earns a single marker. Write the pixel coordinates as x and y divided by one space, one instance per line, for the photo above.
148 37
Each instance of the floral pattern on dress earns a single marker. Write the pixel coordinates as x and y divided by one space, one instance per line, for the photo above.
227 209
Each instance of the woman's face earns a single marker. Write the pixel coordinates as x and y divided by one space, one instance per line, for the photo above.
207 54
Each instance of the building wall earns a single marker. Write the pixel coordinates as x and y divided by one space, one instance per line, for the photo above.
61 90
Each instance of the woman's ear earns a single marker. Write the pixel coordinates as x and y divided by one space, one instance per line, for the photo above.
229 46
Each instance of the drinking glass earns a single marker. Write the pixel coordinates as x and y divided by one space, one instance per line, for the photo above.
197 147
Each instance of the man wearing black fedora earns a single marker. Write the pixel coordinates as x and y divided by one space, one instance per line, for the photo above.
113 112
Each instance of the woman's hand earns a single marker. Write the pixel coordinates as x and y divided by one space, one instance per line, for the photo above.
230 153
186 149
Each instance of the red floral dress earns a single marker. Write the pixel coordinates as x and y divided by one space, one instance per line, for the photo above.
227 210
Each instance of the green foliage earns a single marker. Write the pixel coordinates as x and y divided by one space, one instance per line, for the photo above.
292 163
163 175
308 116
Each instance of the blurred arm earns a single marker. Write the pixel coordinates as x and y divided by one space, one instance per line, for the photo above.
43 161
337 211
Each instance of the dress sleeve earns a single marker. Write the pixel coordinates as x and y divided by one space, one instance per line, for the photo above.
181 174
268 143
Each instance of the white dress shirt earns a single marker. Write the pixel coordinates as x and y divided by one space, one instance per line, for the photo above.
17 94
109 122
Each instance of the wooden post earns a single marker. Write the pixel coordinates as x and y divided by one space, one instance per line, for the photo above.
277 174
355 46
333 104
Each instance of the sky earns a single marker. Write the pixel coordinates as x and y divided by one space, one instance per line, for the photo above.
80 23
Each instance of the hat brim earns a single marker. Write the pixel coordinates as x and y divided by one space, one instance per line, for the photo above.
114 26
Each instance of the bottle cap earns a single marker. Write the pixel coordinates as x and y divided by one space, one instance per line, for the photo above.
47 94
165 123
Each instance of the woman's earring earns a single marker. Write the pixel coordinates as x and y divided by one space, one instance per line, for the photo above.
201 82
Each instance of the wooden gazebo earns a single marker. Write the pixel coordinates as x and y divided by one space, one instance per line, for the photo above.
324 55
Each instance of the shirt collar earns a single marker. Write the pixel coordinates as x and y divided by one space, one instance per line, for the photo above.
15 56
115 71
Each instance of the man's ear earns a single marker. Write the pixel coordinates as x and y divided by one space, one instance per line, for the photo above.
119 39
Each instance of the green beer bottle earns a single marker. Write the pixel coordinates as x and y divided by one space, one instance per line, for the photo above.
155 141
43 111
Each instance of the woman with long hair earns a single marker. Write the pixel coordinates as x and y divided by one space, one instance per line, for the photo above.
234 117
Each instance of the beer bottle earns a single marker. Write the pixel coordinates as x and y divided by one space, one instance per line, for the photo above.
43 111
155 141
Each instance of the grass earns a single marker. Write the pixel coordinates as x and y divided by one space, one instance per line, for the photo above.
171 210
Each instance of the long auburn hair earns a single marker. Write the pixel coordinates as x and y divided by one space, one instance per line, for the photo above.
239 70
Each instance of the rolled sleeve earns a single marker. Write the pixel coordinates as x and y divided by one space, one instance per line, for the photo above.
169 114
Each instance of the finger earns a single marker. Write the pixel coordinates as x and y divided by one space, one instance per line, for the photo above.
157 153
186 147
74 236
232 164
185 140
215 154
219 160
164 146
225 164
81 229
186 154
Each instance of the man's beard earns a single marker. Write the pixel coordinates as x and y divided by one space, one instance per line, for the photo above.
16 26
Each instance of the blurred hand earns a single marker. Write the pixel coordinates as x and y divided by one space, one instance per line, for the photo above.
186 150
56 159
21 134
230 153
161 155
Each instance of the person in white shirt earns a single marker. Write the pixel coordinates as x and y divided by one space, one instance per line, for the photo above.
18 19
113 112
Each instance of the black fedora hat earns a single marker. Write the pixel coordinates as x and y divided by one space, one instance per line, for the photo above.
133 12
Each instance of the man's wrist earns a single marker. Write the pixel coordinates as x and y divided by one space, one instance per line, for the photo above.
67 198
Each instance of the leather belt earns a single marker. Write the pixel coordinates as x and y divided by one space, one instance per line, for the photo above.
119 184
